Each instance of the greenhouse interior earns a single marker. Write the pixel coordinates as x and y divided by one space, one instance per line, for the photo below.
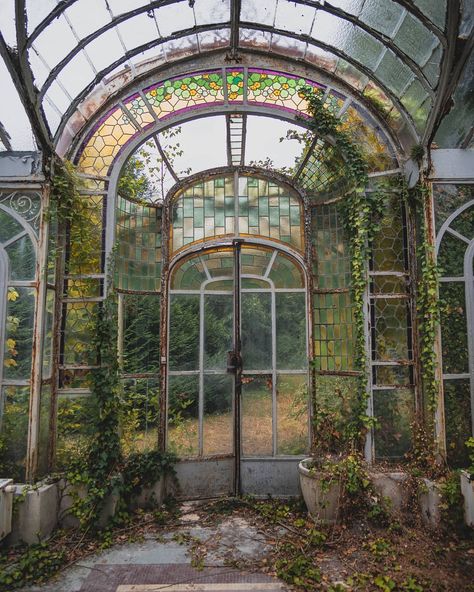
235 234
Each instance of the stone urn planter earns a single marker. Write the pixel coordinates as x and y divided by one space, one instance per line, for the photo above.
467 490
321 493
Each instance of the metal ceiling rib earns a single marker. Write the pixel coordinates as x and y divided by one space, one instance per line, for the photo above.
360 28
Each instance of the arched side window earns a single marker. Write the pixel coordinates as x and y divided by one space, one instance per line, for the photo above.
455 255
17 309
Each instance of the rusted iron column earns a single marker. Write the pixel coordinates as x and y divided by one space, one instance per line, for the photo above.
439 419
38 339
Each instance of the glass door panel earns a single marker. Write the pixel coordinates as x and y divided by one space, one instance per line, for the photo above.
183 415
292 414
215 388
256 314
218 419
257 415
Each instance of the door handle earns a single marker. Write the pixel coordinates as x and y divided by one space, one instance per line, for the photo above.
234 362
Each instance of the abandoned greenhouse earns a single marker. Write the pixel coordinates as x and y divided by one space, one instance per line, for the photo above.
234 234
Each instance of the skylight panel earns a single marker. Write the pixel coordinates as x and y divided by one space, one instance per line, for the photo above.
214 39
56 41
289 46
262 11
212 11
255 38
37 11
138 30
105 49
121 6
58 97
174 17
80 16
76 75
40 70
297 18
415 40
382 16
14 118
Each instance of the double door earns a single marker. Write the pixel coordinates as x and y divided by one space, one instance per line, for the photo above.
237 402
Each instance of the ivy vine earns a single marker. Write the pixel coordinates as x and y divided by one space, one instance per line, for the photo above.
428 304
361 212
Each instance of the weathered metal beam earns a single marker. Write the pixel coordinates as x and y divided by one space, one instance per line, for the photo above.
235 8
32 454
451 68
27 97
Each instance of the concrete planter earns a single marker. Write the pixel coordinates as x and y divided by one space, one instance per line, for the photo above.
36 514
6 507
430 498
391 486
321 498
69 493
150 497
467 490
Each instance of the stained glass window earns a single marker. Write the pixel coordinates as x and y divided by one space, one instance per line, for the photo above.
210 209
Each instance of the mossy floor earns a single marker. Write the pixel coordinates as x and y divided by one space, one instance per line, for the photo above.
260 545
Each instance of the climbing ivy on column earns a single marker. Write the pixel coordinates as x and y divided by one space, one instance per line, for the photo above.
361 213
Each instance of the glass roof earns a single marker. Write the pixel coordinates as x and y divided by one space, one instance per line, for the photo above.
390 50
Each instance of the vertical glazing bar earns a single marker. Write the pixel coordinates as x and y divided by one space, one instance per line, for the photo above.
469 279
237 347
274 374
201 371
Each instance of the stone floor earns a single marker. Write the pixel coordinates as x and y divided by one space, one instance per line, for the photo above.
173 562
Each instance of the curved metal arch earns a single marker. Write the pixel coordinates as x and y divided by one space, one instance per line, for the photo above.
200 112
339 13
366 71
246 171
447 223
195 250
273 61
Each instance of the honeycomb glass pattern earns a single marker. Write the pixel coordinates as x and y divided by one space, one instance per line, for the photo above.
217 87
457 409
278 89
321 173
209 209
391 330
454 328
388 249
139 239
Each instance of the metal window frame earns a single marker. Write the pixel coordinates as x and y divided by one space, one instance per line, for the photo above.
194 252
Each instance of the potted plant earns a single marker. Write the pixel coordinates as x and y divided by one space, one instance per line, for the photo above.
334 475
467 486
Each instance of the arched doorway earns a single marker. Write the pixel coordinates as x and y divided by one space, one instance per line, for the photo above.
237 403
